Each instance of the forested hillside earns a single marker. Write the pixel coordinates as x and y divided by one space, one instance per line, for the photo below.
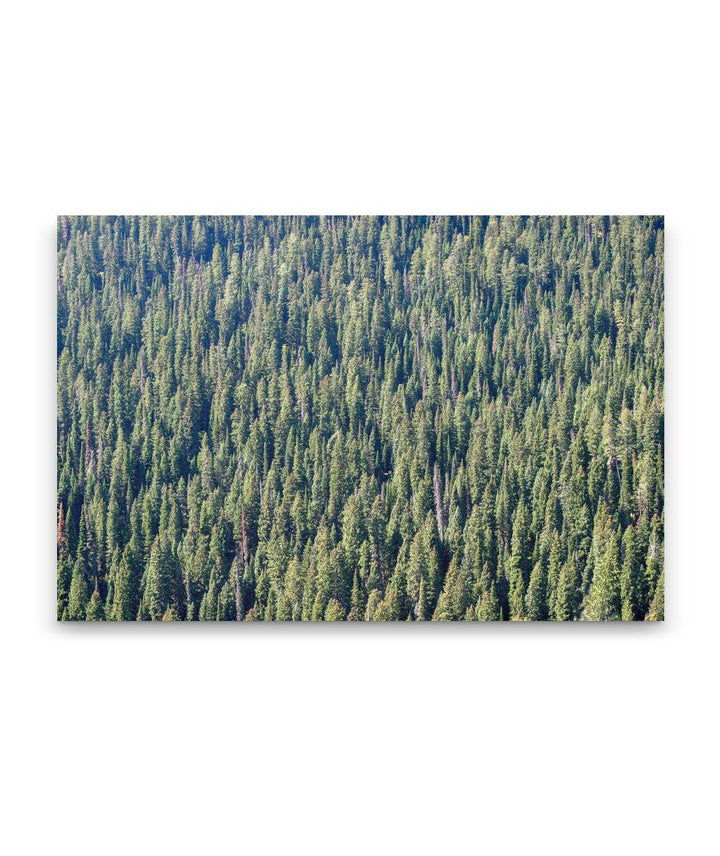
360 418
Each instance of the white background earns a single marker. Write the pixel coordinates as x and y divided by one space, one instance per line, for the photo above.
318 739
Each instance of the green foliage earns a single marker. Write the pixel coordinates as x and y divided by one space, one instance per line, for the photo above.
360 418
95 610
78 594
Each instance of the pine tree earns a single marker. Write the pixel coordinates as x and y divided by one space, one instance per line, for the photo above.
517 591
488 607
95 611
657 607
603 603
161 589
64 566
536 597
78 599
122 609
566 594
630 579
357 599
334 611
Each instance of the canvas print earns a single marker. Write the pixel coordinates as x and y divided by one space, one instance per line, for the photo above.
360 418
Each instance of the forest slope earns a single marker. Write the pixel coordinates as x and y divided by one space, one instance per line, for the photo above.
367 418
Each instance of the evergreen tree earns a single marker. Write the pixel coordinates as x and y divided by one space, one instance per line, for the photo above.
161 582
78 599
95 611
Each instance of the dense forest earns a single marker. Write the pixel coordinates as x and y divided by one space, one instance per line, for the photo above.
360 418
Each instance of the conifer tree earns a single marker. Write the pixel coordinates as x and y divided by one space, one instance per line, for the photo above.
161 583
603 602
95 611
536 597
78 598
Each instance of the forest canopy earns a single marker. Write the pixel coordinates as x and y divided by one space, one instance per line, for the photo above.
360 418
